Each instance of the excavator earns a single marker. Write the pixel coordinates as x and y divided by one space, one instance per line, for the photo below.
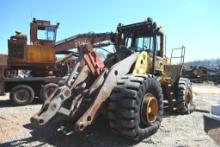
38 56
29 66
131 84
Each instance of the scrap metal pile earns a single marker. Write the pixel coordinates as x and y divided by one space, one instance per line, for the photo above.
199 74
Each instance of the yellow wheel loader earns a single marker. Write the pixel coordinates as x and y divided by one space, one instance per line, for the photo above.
131 84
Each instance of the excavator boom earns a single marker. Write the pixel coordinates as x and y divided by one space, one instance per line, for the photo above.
96 39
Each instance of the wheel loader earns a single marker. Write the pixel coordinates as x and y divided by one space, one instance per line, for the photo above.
132 84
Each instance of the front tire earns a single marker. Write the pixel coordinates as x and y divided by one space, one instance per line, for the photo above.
129 107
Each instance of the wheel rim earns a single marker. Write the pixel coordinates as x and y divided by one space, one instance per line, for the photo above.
149 109
188 98
22 95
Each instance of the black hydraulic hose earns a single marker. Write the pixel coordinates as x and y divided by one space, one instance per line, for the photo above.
154 53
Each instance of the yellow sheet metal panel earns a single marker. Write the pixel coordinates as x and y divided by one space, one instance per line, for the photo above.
40 54
142 65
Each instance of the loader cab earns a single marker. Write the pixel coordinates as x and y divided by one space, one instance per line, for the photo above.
144 36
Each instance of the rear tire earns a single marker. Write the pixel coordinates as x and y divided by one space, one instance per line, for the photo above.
47 90
184 96
22 95
125 107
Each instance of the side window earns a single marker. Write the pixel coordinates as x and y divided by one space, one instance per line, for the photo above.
128 42
158 43
159 47
51 34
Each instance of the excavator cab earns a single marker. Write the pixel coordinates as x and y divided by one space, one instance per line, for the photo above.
42 32
39 55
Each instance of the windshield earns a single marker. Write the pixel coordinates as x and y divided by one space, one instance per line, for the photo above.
140 44
47 34
144 44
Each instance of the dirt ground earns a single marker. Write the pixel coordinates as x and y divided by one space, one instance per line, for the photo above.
176 130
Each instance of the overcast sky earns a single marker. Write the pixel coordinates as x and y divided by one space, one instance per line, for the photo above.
193 23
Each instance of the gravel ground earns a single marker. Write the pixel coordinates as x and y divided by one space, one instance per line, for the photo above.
176 130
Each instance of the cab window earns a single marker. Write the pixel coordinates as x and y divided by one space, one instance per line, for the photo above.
46 34
144 44
128 42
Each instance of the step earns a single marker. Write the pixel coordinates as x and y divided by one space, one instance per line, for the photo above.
211 122
215 109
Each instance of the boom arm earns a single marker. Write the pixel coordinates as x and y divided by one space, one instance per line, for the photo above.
96 39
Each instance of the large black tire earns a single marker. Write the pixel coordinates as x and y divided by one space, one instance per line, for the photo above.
184 96
125 106
21 95
47 90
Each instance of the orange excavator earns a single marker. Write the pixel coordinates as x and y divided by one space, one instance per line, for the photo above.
28 67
